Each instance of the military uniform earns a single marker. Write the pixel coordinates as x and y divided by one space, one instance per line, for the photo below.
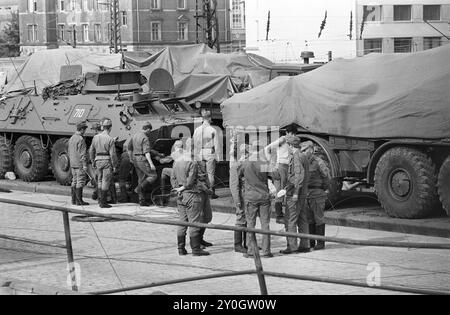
126 170
317 185
185 174
103 155
206 192
140 146
78 163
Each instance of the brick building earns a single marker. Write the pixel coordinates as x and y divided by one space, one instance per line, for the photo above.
145 24
399 26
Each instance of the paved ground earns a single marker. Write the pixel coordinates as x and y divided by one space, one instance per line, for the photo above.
116 254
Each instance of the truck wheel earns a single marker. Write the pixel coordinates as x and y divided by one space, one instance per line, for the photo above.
5 156
60 162
405 183
30 159
444 185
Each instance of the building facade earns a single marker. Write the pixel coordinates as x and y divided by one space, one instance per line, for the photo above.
401 26
7 9
144 24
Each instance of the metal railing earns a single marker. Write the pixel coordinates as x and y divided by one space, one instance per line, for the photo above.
259 270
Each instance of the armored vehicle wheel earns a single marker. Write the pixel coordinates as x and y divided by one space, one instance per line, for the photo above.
444 185
6 163
60 162
30 159
405 183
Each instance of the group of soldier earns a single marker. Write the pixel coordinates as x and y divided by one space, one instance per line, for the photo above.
300 175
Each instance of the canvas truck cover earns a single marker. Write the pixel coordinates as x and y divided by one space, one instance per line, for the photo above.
376 96
43 68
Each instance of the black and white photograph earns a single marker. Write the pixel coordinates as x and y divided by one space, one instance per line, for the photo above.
224 155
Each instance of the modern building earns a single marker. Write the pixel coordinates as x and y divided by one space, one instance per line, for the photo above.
401 26
144 24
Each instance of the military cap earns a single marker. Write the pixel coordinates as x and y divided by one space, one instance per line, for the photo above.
307 145
206 114
82 125
294 141
147 126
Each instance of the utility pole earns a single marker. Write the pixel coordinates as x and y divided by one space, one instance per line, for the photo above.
74 30
208 23
116 38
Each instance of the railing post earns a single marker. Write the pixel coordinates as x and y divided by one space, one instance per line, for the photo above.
259 266
70 259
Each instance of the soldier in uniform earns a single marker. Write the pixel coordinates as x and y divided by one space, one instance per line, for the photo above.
296 192
97 128
140 151
126 168
78 163
318 184
185 177
103 155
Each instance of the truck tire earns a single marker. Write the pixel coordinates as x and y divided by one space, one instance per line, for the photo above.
60 162
30 159
444 185
405 183
6 164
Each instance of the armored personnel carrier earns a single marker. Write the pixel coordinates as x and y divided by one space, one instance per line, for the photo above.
35 129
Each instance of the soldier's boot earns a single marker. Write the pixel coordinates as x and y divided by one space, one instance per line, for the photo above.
244 240
279 212
320 230
113 192
182 246
95 194
238 239
74 196
102 198
202 241
123 195
79 195
196 247
312 231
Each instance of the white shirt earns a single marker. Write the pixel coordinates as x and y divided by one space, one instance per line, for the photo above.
206 141
283 155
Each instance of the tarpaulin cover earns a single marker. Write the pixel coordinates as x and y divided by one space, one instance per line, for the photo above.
182 61
206 88
43 68
377 96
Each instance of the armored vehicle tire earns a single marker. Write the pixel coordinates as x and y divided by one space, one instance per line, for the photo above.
30 159
6 163
444 185
405 183
60 162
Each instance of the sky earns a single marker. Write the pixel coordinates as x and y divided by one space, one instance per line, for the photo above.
295 26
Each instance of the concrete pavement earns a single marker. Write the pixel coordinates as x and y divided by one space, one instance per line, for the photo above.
115 254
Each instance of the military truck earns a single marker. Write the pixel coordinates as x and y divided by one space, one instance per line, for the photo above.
35 129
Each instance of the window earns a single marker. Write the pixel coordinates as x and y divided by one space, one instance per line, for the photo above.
373 45
97 33
402 13
85 32
62 5
402 45
84 5
62 32
156 31
372 13
181 4
431 42
432 12
32 5
124 18
183 32
95 5
155 4
237 14
72 5
32 33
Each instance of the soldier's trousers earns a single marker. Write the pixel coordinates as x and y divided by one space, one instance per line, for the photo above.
283 171
236 194
190 210
252 210
296 221
316 206
125 169
104 174
207 214
78 178
145 176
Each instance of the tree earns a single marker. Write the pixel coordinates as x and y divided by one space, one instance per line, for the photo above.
10 38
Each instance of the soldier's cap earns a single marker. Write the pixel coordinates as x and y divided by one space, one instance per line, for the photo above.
106 122
147 126
82 125
206 114
307 145
294 141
